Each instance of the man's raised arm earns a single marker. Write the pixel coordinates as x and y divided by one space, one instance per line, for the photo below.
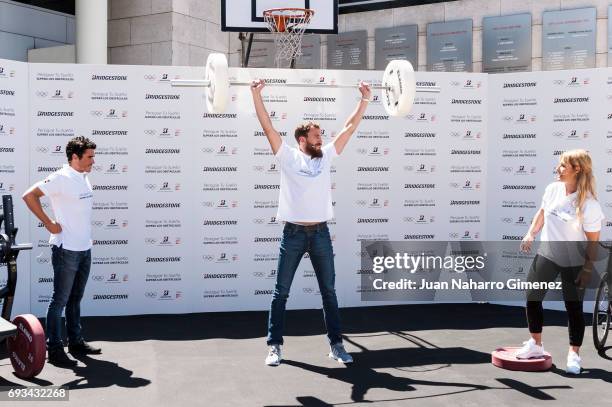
264 118
353 121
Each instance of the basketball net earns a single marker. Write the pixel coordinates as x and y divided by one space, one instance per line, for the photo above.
287 26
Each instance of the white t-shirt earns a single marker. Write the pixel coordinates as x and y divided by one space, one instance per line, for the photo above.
305 186
561 224
71 198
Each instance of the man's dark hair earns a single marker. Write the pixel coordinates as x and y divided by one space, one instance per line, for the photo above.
77 146
303 129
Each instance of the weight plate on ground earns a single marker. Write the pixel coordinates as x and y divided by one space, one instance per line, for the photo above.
27 350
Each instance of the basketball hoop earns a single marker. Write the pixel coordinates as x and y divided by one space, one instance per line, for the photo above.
287 26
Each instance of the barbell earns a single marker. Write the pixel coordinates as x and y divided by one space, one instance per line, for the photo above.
398 85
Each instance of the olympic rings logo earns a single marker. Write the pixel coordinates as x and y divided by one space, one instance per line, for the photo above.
42 94
150 77
97 223
558 82
150 187
258 274
258 221
150 240
408 219
96 113
208 257
42 260
150 294
506 220
453 235
150 132
307 290
97 278
360 202
207 150
42 149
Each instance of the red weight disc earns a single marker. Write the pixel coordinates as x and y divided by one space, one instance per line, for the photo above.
27 349
506 359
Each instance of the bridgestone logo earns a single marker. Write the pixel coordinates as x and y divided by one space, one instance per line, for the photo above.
419 186
266 239
519 136
109 77
220 275
110 296
263 292
7 149
465 151
420 135
466 102
518 187
258 133
162 151
318 99
220 115
7 92
220 222
262 186
521 85
175 97
509 237
163 259
465 203
375 169
109 242
110 187
418 237
109 133
61 114
48 169
571 100
163 205
372 220
375 117
219 169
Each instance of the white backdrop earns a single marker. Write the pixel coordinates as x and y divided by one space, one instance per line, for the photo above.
185 201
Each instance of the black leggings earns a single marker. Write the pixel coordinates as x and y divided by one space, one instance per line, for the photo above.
545 270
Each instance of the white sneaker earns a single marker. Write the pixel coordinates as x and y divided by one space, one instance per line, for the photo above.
337 352
530 350
274 355
573 363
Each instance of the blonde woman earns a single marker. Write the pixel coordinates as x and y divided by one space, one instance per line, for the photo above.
569 213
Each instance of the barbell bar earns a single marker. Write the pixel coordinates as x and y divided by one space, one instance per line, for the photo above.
398 85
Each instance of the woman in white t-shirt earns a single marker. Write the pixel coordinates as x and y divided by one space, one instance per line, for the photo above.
569 213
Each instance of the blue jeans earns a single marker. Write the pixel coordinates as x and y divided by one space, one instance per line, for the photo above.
296 241
70 274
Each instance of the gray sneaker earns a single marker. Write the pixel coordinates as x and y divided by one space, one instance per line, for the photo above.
274 355
337 352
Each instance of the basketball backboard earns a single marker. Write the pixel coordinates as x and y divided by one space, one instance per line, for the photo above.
247 15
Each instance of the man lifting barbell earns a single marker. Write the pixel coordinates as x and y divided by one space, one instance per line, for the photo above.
305 205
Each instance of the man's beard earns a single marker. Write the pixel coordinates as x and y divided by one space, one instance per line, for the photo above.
313 152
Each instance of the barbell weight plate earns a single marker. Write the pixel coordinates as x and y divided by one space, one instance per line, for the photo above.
27 349
217 72
400 79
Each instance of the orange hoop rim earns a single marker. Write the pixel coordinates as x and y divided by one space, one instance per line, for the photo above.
307 12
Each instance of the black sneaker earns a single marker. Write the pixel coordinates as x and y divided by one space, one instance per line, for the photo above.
83 348
57 357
